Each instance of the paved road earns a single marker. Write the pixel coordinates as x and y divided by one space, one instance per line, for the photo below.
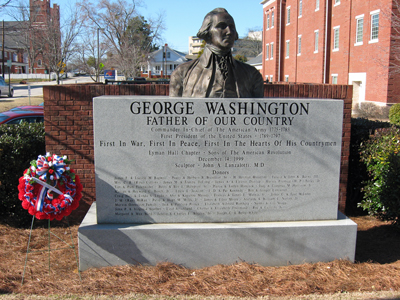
36 88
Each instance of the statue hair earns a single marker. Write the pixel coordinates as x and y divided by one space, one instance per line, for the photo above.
204 31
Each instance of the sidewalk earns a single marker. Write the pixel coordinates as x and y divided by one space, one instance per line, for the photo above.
73 80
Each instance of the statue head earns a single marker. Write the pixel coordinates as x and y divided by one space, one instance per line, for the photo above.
219 29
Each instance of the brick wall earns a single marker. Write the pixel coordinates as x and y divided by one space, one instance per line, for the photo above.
68 114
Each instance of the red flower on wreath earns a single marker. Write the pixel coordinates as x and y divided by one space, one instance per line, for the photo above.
47 198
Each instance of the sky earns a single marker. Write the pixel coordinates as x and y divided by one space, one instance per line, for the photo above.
183 18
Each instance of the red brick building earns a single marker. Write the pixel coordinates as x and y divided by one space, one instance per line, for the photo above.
13 50
42 16
23 40
331 41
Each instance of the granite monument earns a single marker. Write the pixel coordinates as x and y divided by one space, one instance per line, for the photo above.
214 174
204 181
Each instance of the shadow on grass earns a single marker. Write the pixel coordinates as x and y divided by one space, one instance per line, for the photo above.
378 244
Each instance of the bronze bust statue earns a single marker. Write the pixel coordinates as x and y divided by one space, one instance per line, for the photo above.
216 74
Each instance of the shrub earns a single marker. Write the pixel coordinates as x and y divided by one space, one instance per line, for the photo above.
382 159
19 145
394 114
361 129
391 189
371 110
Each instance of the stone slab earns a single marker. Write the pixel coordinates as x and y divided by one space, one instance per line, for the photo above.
177 160
197 245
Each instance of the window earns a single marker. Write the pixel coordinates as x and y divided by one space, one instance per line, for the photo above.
336 38
287 48
39 62
266 51
271 78
299 45
27 120
272 50
168 54
316 38
268 21
359 29
287 78
374 26
316 5
158 68
334 78
272 19
300 8
288 15
337 2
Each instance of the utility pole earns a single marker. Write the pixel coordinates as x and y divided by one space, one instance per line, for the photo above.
97 67
2 56
98 57
165 61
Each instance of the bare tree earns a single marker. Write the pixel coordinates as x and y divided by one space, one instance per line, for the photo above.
60 40
23 32
48 37
250 46
5 3
85 59
129 36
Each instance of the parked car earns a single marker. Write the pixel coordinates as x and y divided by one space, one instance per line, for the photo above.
21 115
4 89
28 107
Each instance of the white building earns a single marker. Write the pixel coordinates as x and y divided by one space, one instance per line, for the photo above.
162 62
194 45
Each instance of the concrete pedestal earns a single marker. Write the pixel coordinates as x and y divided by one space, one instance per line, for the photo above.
197 245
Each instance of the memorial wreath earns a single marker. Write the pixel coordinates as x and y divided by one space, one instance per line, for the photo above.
49 188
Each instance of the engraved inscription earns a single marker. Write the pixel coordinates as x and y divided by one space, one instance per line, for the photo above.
216 160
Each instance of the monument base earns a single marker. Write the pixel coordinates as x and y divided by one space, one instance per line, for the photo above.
197 245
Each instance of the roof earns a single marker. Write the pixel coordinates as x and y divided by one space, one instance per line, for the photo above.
158 54
256 60
14 34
